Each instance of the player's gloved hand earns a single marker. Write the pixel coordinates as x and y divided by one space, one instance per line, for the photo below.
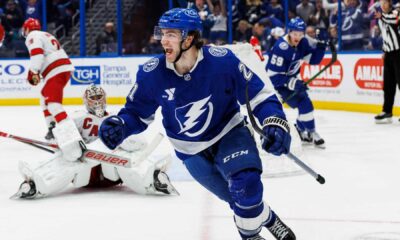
278 136
322 39
297 85
33 78
112 131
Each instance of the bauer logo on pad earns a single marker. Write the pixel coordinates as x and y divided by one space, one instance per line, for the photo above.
84 75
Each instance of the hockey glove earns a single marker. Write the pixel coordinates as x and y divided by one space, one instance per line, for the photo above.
278 136
33 78
297 85
322 39
112 131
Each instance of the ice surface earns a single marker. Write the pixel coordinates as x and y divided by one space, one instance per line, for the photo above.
360 200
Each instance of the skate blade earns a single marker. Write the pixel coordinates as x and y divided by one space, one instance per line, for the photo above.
16 196
321 146
384 121
172 190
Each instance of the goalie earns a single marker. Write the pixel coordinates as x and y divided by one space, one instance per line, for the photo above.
48 176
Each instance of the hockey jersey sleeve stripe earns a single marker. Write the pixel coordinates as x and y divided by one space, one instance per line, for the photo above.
36 51
61 116
55 64
46 113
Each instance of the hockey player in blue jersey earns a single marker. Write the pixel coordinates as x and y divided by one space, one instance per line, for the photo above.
285 59
199 90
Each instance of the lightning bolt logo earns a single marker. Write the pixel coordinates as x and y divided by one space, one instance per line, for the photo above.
196 110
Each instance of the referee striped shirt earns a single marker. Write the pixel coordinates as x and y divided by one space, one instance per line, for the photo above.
389 26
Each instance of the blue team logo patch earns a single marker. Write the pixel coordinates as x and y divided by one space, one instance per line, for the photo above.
218 51
195 117
84 75
283 45
191 13
151 65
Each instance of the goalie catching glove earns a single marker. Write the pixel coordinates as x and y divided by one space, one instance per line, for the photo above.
112 131
278 136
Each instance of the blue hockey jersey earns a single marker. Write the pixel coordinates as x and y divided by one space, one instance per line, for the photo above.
201 106
284 61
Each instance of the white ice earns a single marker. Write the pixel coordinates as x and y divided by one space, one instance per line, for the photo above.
360 200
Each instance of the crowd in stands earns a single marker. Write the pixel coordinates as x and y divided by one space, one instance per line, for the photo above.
13 13
265 19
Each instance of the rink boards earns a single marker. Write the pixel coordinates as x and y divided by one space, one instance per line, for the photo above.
353 83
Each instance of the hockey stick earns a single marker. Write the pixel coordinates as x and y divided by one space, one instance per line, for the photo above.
88 154
300 163
38 146
27 140
331 62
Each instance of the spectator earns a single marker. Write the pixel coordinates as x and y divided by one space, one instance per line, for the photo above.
333 36
106 42
253 11
375 40
218 16
310 32
31 9
259 31
319 18
153 47
273 9
12 19
204 11
352 26
243 31
305 9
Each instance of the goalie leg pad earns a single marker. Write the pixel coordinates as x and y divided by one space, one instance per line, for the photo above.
51 175
68 139
140 178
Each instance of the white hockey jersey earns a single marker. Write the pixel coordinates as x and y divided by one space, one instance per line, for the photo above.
47 56
88 126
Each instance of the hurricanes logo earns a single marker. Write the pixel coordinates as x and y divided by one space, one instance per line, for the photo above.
195 117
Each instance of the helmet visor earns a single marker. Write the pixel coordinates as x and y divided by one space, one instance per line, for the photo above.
169 34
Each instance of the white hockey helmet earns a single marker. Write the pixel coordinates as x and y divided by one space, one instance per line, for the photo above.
95 100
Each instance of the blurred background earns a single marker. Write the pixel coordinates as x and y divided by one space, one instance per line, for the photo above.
125 27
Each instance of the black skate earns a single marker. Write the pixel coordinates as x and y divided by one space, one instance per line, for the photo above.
256 237
50 136
27 190
383 118
280 231
163 184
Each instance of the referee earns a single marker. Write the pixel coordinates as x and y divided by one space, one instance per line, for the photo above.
388 21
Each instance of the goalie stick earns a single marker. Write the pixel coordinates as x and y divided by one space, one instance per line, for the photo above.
88 154
93 155
331 62
291 156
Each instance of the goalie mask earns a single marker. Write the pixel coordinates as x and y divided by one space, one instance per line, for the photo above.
95 100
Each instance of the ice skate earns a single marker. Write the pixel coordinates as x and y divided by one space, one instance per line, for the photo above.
317 140
383 118
279 230
27 190
256 237
305 136
163 184
50 136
